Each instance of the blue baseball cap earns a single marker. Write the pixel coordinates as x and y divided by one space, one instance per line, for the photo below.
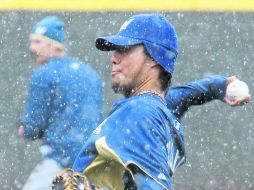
154 31
51 29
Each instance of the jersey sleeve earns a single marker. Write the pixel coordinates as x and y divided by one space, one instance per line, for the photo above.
35 117
180 98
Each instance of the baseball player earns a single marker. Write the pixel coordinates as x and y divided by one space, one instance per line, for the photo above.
135 140
64 103
141 143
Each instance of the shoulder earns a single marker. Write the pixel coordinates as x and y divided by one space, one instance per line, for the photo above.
41 74
145 105
47 72
79 66
90 71
153 106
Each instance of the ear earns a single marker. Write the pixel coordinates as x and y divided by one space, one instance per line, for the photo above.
153 63
150 61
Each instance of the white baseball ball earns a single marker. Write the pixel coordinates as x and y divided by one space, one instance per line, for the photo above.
237 90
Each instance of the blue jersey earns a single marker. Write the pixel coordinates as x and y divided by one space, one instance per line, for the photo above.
65 103
146 132
139 131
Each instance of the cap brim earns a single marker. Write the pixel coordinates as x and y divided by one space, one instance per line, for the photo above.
110 43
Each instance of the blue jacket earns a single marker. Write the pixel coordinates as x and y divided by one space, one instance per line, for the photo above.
65 104
144 131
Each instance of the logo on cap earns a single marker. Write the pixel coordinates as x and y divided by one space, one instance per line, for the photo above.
40 30
125 24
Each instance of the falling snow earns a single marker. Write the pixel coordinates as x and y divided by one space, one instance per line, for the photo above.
219 139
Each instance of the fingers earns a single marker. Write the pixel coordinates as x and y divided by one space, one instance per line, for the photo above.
231 103
237 102
246 100
231 79
21 131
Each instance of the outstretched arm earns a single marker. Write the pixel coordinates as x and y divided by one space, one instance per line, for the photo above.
199 92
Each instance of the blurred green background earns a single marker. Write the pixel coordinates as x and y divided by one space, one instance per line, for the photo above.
219 139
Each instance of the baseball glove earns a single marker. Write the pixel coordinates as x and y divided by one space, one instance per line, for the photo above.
68 179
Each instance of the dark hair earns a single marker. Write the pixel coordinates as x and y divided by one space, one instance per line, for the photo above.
164 76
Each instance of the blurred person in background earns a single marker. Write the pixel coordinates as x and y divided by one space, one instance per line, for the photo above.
64 103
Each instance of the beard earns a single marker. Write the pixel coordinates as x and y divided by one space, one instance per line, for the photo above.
124 90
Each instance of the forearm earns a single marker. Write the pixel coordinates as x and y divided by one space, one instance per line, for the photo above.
199 92
207 89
